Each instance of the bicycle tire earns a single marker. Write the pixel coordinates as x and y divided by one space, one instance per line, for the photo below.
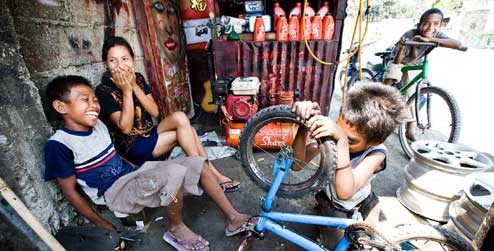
366 75
261 173
452 131
405 235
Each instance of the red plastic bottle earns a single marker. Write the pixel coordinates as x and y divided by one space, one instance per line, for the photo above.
328 27
306 29
297 10
316 27
324 9
282 29
293 28
309 11
259 30
277 12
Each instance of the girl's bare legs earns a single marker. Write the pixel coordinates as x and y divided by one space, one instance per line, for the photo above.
177 227
176 128
233 218
219 176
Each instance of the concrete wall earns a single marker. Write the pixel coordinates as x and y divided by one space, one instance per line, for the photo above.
38 41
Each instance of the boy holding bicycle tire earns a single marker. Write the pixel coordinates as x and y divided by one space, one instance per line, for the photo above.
371 112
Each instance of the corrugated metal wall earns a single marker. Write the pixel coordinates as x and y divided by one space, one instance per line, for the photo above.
281 66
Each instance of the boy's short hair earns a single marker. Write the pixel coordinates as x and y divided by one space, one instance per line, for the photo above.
430 12
112 42
374 109
59 88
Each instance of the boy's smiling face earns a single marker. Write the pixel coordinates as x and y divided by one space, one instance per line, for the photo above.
431 25
356 141
81 109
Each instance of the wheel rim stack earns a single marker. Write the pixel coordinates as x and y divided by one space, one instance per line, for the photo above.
435 177
468 212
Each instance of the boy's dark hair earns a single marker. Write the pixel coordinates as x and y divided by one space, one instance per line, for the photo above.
112 42
59 88
430 12
374 109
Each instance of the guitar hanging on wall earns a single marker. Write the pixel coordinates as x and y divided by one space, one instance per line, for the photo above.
207 103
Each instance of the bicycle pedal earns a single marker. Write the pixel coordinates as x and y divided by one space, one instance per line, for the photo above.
258 235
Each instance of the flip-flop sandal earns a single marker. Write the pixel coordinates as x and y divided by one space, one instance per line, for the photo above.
230 189
181 245
246 226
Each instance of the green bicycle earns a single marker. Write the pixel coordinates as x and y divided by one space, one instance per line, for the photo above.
427 103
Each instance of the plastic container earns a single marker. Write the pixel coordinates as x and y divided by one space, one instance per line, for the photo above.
305 29
316 32
324 9
309 11
297 10
252 20
259 30
282 29
277 12
293 28
328 27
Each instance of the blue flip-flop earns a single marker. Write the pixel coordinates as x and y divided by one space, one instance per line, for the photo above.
229 189
180 245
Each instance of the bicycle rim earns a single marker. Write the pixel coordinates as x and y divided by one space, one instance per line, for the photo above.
261 139
428 238
443 125
366 75
421 237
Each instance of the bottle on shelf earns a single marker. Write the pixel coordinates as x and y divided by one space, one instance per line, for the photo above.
297 10
293 28
316 27
328 27
305 29
324 9
282 29
277 12
259 30
309 11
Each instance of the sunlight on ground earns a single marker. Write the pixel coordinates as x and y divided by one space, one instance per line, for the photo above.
466 75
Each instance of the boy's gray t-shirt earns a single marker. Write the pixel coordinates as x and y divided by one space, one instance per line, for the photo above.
365 190
415 54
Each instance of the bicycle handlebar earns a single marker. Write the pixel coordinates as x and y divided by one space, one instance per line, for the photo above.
417 43
432 44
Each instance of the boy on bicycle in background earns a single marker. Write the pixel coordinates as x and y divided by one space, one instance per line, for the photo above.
427 31
371 112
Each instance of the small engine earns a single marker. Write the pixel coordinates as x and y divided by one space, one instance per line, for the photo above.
241 107
242 103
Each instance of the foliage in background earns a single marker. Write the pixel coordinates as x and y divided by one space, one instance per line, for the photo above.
385 9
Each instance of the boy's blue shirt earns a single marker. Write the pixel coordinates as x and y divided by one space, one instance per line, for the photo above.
90 155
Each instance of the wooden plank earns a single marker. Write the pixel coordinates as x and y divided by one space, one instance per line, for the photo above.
28 217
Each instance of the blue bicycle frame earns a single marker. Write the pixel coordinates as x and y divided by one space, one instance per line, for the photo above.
268 218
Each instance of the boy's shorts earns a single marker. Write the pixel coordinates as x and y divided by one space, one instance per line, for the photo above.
154 184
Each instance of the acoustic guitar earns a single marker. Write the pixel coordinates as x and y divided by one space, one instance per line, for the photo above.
207 100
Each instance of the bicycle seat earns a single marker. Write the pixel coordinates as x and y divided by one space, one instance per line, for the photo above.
383 53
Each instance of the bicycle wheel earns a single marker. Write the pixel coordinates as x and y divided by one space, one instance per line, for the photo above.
366 75
444 123
427 238
263 136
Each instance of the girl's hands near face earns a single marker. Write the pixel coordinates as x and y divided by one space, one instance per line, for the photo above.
122 79
322 126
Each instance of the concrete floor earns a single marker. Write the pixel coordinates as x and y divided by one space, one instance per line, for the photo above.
202 215
205 218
